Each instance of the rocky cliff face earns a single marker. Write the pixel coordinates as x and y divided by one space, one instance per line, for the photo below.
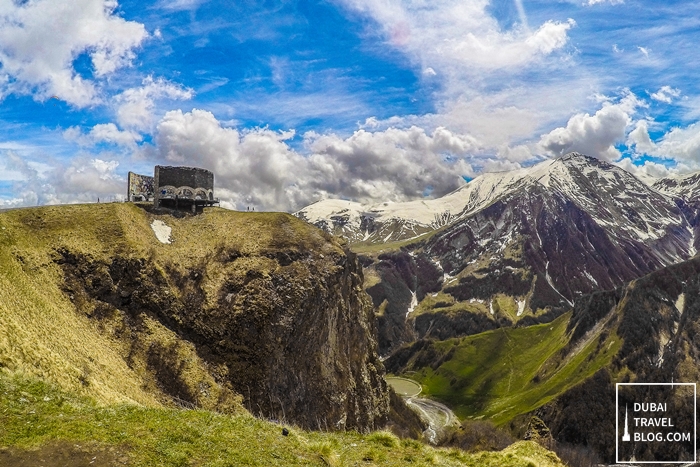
261 306
657 318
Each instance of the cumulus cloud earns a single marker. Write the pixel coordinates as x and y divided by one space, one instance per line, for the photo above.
594 135
135 106
40 39
665 94
103 133
648 172
82 179
517 154
639 138
680 144
258 167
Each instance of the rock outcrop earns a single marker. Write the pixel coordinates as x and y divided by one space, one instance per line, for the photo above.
259 306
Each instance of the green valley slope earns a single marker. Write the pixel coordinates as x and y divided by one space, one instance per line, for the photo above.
500 374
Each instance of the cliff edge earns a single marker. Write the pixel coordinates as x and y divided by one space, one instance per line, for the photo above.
218 311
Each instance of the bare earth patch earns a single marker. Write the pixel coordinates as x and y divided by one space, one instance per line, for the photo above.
66 454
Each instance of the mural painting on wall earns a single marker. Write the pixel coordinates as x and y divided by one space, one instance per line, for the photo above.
141 187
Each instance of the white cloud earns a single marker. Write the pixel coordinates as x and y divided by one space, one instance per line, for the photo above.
645 51
639 138
458 36
40 39
517 154
135 106
665 94
103 133
85 178
179 5
521 14
258 167
647 172
594 135
682 144
596 2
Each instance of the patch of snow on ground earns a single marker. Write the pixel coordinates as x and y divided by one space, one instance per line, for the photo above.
521 307
680 302
414 304
663 340
588 275
162 231
446 278
491 307
692 250
551 284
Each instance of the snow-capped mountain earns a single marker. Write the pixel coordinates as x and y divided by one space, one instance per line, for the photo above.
686 186
384 222
616 200
577 223
516 244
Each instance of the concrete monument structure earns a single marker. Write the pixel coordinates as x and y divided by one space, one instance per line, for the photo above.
139 187
183 188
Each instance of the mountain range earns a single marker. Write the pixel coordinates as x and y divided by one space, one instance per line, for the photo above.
530 293
513 247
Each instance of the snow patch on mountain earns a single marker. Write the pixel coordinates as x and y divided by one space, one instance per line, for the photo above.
162 231
592 279
413 305
680 302
551 284
686 186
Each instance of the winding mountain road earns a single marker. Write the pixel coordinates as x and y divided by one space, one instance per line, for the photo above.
438 416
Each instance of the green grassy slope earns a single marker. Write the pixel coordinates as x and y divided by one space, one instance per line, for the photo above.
500 374
34 414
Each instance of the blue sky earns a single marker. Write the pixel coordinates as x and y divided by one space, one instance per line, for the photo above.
291 101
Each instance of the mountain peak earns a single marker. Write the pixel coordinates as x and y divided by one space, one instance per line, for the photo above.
574 156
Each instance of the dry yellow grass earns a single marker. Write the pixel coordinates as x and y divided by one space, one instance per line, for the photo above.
42 333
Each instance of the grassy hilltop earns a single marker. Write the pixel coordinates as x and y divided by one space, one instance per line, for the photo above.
78 381
43 335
